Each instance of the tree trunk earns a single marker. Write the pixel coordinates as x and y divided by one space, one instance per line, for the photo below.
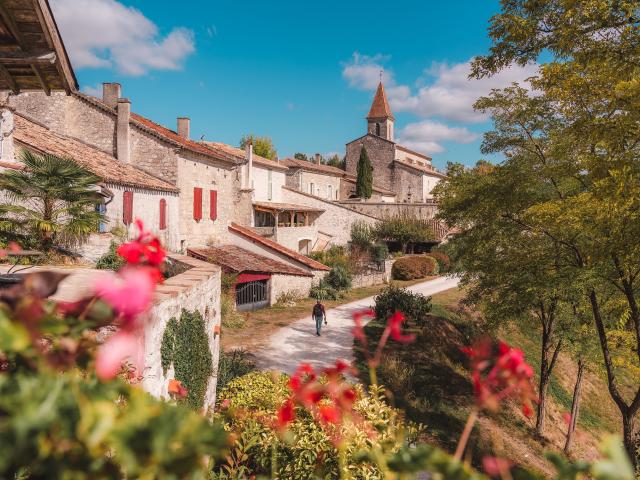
575 407
629 436
546 365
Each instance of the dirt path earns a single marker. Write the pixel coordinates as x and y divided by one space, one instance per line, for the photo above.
298 343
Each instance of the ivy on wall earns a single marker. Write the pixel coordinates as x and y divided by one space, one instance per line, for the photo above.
185 345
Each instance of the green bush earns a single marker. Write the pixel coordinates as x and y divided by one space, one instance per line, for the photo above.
233 364
308 453
379 252
362 234
338 278
414 306
230 317
414 267
185 344
335 255
110 260
322 291
444 263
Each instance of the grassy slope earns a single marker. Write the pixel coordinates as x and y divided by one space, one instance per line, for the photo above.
441 394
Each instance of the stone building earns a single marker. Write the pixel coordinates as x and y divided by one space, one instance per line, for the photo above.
396 168
314 178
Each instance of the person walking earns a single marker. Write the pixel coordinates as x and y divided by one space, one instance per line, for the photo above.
319 314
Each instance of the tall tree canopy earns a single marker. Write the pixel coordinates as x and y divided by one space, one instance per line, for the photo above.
364 180
262 146
577 137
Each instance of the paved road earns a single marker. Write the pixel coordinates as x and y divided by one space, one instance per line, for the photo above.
297 343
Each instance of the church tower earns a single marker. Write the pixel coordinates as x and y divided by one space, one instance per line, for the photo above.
380 119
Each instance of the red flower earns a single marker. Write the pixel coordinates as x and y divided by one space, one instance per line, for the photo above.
145 249
395 328
176 389
286 414
329 414
500 371
358 330
567 418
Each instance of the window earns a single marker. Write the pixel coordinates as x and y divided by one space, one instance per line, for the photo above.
197 204
312 189
269 185
163 214
377 129
213 204
330 192
127 207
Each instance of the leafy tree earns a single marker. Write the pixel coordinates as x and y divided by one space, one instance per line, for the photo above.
587 156
336 161
51 202
301 156
405 229
362 234
364 181
262 146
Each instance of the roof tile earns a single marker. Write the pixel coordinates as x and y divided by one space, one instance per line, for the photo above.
380 106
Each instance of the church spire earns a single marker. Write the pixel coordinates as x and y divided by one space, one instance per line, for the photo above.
380 107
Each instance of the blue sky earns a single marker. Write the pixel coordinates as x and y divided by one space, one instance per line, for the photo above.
300 72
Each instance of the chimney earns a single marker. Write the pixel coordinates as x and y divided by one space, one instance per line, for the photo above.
318 158
248 155
111 92
122 130
184 126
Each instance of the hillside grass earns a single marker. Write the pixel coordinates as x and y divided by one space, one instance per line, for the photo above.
430 380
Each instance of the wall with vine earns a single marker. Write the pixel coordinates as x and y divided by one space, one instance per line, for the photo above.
185 345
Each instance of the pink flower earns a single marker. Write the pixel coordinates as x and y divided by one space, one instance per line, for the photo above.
566 416
496 467
114 352
129 292
176 389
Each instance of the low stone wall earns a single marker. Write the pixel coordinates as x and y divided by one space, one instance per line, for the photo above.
384 209
196 289
289 283
368 279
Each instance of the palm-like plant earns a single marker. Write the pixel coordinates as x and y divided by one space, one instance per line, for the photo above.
52 202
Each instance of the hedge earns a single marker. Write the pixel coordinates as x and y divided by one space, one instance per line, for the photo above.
414 267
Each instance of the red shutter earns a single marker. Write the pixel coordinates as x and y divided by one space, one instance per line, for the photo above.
127 207
213 204
197 204
163 214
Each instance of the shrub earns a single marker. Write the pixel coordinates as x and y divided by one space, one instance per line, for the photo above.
444 263
110 260
232 365
414 267
398 375
288 298
415 306
362 234
405 229
308 452
338 278
231 318
322 291
335 255
185 345
379 252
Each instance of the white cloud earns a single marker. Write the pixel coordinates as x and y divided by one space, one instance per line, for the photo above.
93 90
363 71
106 33
451 94
427 135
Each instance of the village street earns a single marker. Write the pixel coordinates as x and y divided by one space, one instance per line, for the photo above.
298 343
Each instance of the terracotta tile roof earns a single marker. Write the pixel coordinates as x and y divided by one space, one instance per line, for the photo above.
429 170
239 155
157 129
286 207
306 165
39 138
298 257
239 260
380 107
352 179
408 150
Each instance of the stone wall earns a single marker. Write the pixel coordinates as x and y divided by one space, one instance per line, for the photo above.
289 283
196 289
7 152
95 247
368 279
290 237
381 154
408 184
383 209
336 219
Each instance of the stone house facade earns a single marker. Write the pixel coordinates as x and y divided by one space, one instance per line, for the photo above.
314 178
